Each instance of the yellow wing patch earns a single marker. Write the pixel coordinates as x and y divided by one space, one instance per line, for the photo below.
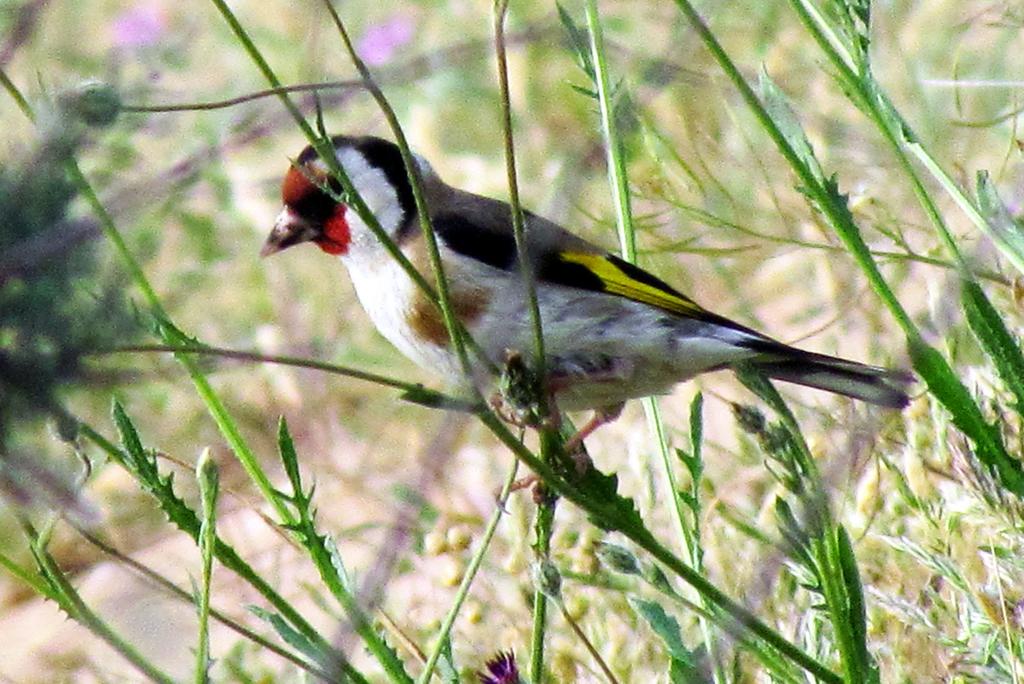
622 278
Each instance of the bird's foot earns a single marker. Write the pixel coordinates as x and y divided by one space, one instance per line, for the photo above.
602 416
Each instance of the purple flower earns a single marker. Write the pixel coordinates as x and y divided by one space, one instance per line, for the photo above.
501 669
379 42
140 25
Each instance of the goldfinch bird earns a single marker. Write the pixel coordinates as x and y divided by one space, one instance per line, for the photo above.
612 331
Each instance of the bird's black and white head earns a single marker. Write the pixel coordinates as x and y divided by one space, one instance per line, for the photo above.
312 213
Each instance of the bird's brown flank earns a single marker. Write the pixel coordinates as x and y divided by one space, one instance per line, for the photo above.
424 317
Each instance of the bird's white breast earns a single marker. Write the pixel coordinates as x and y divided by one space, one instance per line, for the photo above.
387 294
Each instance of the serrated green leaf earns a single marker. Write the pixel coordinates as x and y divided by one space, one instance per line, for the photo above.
338 563
290 636
666 627
856 616
578 41
608 509
991 333
290 461
129 435
778 108
951 393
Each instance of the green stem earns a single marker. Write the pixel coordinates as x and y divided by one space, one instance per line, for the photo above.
551 445
177 592
617 174
467 580
207 476
32 579
16 95
847 232
412 389
588 644
518 230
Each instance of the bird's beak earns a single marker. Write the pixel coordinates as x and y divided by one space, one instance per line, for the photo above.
289 229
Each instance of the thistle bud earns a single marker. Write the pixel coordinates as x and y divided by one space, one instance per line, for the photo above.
94 103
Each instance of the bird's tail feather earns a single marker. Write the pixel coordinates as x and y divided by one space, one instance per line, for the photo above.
868 383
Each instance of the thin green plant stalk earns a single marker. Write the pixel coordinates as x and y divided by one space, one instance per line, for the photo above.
1006 622
588 644
551 442
462 593
33 581
414 392
16 95
208 478
618 178
518 229
538 629
706 217
68 598
617 174
225 423
242 99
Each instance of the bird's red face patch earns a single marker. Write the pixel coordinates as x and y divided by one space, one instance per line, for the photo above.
336 232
